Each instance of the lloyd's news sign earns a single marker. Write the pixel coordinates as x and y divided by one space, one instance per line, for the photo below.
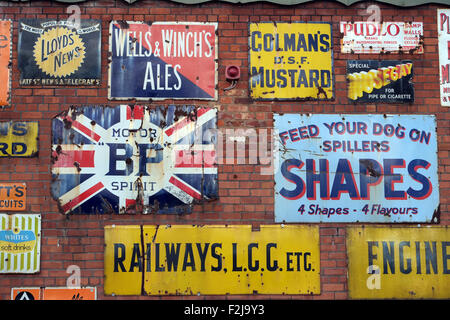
161 60
356 168
59 52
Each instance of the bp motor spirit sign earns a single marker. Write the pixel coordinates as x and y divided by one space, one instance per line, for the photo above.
59 53
357 168
163 60
135 159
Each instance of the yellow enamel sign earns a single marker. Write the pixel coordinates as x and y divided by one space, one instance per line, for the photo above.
291 61
214 259
398 263
18 138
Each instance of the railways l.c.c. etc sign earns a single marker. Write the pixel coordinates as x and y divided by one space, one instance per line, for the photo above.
129 159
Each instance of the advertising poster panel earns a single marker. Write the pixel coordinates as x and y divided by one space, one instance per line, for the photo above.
371 168
386 37
444 55
133 159
211 259
19 139
291 61
53 53
20 243
162 60
5 61
389 81
398 262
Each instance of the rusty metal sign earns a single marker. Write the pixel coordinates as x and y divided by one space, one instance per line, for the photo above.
54 293
5 61
373 81
20 243
211 259
357 168
443 18
19 139
13 196
33 293
386 37
54 53
133 159
291 61
398 263
160 60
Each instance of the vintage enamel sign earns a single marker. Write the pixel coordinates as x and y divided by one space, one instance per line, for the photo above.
211 259
356 168
19 139
398 263
291 61
54 293
133 159
20 243
387 37
5 60
13 196
371 81
443 18
56 53
160 60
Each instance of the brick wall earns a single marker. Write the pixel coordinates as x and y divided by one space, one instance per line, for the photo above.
246 197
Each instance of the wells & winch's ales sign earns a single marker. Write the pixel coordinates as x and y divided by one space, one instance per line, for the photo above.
161 60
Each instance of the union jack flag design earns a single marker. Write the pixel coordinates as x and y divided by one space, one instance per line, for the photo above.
133 159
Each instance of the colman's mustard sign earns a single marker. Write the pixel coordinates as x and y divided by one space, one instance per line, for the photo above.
214 259
59 52
291 61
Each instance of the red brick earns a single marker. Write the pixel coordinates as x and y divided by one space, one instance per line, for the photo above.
246 196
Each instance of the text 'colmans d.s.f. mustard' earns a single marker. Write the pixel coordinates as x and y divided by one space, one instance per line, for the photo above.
366 81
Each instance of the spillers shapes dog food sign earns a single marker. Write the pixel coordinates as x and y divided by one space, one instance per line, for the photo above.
58 53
